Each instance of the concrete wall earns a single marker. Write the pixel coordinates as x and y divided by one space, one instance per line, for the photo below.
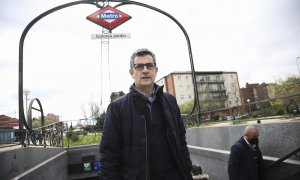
52 168
276 139
19 160
77 156
214 162
210 147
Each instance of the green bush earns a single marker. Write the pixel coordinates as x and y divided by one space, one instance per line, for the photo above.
75 137
69 134
216 117
88 139
280 111
237 122
85 133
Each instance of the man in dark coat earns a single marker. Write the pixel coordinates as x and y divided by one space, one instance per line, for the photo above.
143 136
245 160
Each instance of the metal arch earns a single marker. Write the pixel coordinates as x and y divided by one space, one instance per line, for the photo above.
22 119
29 113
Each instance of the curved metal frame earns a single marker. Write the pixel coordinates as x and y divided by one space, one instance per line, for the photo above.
22 119
29 113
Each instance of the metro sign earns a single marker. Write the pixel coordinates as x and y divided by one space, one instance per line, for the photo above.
108 17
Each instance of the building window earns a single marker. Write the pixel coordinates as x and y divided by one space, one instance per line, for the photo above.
180 86
186 77
200 78
179 77
181 97
207 78
188 86
190 96
219 87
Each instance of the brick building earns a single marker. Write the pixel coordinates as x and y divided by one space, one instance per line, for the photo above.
6 121
252 93
54 118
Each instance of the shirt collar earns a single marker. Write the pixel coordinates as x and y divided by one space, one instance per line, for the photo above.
252 146
149 97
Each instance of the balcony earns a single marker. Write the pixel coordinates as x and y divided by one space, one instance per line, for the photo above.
211 89
203 80
214 98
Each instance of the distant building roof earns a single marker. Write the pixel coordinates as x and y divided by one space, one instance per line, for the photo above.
6 121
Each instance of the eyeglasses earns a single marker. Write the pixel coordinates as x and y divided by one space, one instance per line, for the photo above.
140 67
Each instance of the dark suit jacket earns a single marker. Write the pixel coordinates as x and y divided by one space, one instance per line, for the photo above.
242 164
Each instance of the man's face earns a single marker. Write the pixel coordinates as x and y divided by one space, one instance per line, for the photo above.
252 136
253 133
144 78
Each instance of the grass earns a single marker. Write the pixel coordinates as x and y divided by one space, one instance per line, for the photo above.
90 138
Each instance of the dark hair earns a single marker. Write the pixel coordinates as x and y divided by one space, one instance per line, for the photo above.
141 52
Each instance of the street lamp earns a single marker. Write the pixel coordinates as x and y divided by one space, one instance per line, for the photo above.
298 64
26 93
248 101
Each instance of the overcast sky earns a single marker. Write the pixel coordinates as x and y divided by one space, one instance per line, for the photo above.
63 68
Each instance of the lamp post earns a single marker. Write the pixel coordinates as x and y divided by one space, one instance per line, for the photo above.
248 101
298 64
26 93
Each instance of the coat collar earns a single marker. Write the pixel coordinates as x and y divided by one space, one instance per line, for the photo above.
157 91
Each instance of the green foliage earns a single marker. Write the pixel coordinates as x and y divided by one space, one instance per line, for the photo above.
116 95
186 107
237 122
90 138
74 136
85 133
37 123
100 121
283 88
280 111
286 87
215 116
69 134
89 128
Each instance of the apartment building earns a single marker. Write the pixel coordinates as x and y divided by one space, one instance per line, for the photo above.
216 89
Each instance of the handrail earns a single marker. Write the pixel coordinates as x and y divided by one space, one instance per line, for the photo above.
280 160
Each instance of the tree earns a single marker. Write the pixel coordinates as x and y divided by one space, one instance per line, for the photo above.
100 121
289 86
37 123
115 95
285 88
93 111
186 107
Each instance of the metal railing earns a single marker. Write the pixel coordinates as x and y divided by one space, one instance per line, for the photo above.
49 135
278 163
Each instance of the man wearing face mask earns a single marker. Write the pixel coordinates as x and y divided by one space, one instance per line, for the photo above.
245 160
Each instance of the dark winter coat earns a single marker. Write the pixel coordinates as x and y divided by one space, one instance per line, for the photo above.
124 143
242 163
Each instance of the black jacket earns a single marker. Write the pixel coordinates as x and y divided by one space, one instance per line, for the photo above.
123 147
242 162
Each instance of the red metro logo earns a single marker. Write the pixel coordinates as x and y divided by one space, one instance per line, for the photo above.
108 17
